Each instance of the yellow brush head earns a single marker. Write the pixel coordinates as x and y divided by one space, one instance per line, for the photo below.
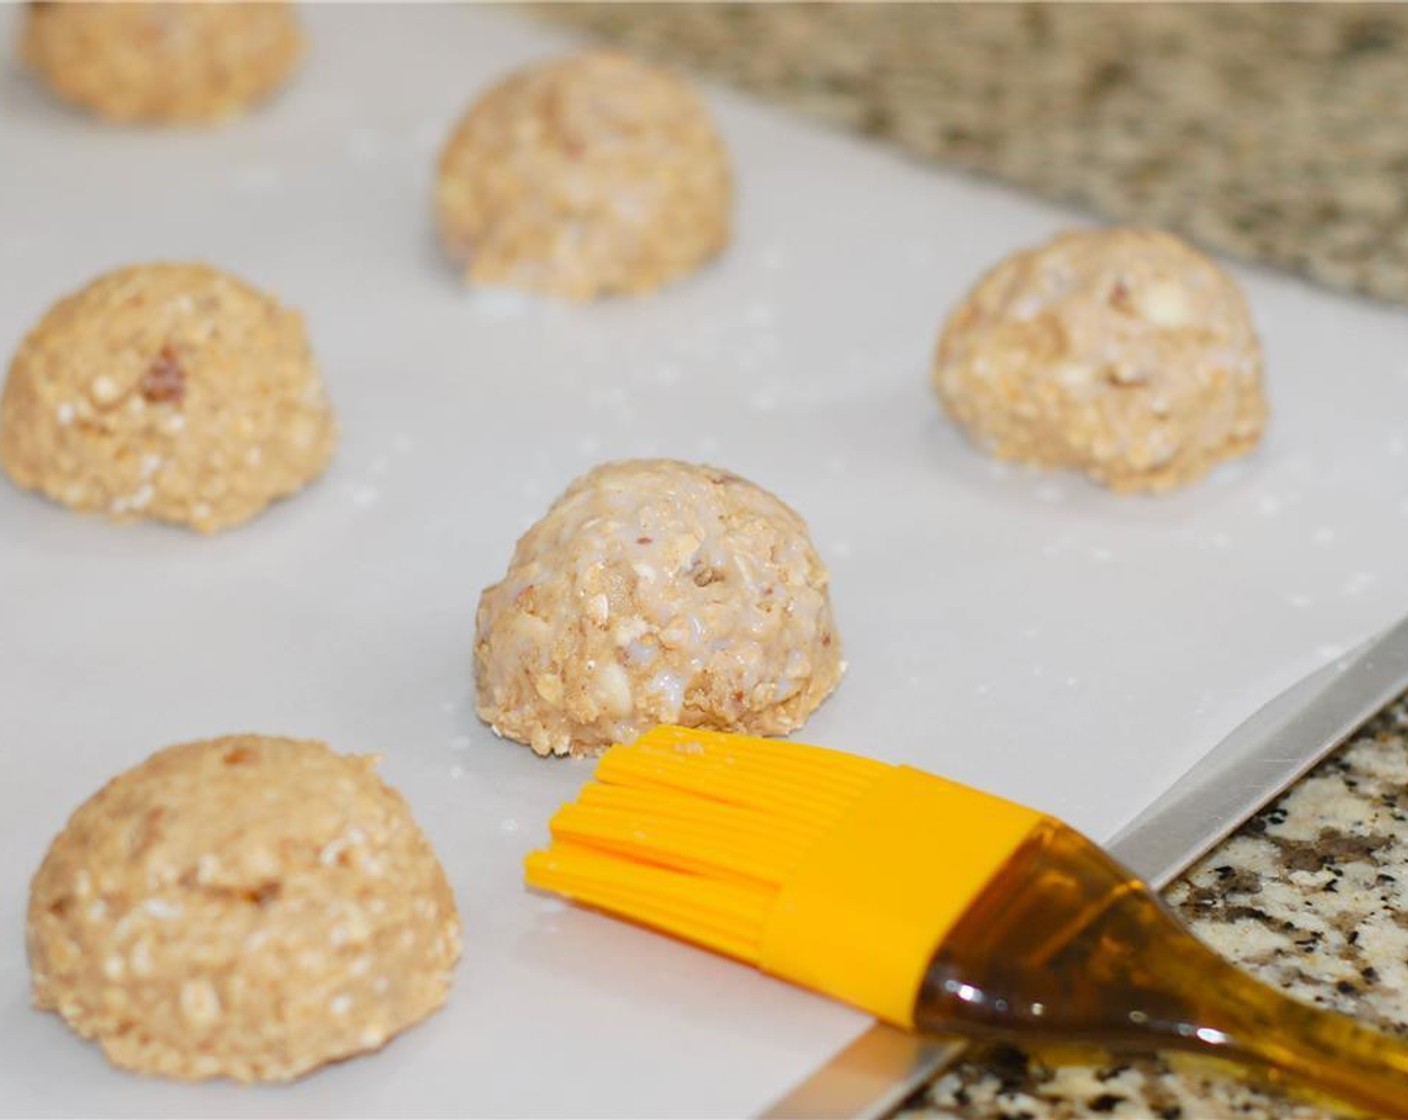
834 871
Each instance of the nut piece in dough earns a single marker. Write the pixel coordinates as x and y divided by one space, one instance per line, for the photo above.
243 907
1123 353
170 391
588 176
162 63
654 592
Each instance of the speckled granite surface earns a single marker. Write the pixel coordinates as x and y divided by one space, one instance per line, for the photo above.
1275 132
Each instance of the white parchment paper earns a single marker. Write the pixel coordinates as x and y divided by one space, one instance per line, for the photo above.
1028 633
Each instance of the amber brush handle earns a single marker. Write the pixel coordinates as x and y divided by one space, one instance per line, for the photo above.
1309 1047
1066 945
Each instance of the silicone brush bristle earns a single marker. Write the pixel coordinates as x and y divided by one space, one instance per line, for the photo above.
800 860
694 832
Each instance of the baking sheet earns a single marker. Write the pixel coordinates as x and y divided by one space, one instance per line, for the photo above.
1024 632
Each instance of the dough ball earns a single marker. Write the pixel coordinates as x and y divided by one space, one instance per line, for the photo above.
241 907
170 391
588 176
1123 353
656 592
167 63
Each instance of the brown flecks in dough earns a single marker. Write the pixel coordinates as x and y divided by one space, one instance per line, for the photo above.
165 380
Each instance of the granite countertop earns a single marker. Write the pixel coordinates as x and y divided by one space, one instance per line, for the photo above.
1277 133
1273 132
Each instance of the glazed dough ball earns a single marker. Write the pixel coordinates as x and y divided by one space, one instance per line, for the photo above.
241 907
170 391
1119 352
588 176
170 63
656 592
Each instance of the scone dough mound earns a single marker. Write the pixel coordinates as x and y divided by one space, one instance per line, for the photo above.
653 592
169 63
242 907
1123 353
170 391
588 176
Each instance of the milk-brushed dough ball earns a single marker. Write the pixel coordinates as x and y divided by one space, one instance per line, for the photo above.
1123 353
162 63
244 907
169 391
655 591
587 176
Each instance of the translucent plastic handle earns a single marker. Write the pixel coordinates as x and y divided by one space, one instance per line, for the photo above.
1067 945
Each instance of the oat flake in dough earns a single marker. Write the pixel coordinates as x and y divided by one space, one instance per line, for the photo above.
244 907
655 591
1123 353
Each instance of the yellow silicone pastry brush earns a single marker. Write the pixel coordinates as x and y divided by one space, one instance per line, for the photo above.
928 904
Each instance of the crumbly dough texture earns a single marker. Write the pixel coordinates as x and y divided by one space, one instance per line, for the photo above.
162 63
587 176
170 391
244 907
1123 353
654 592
